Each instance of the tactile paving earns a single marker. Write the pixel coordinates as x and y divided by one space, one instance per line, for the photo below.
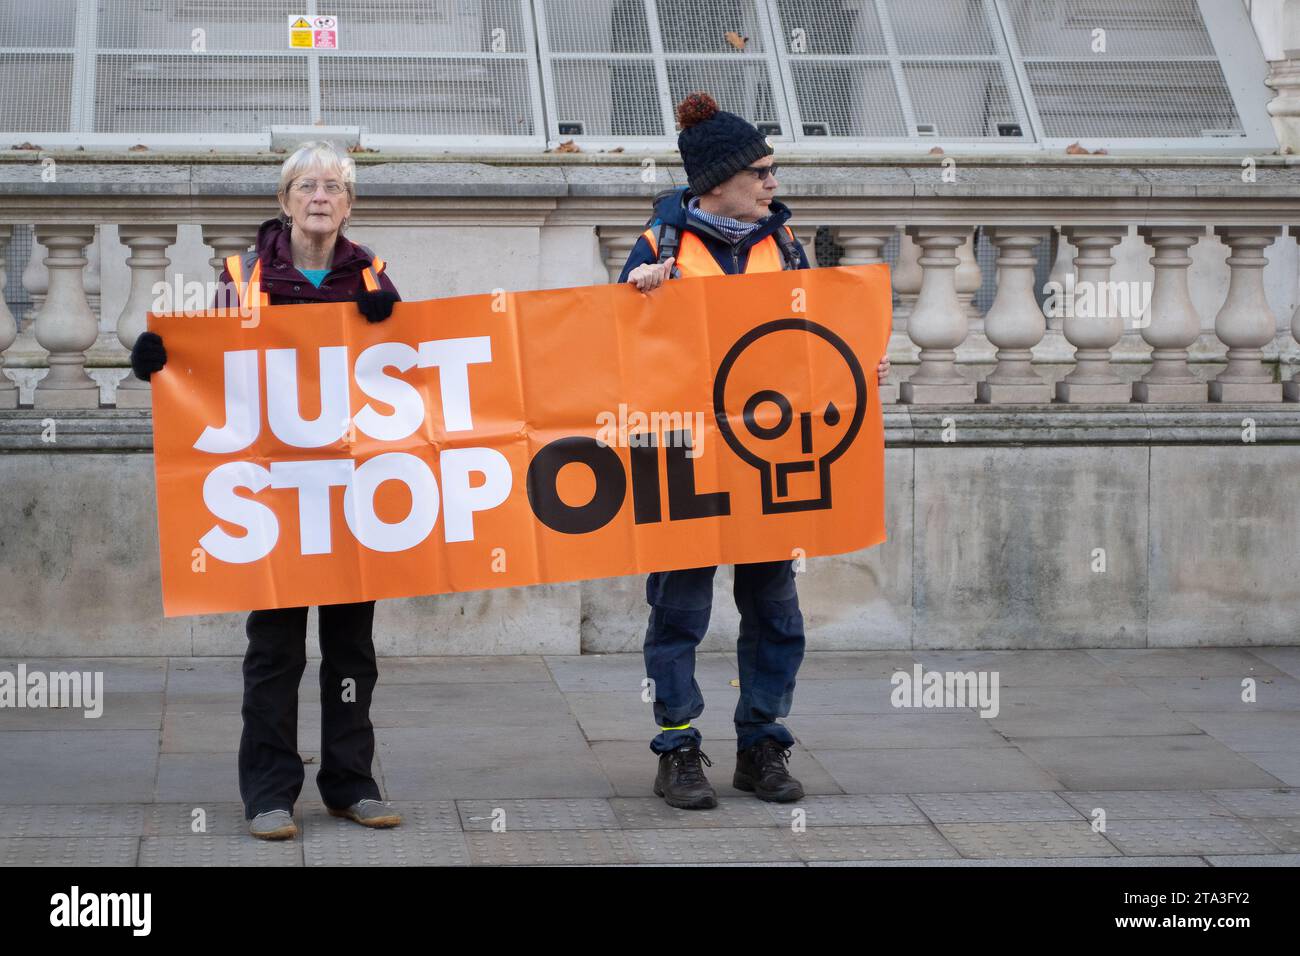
1187 837
71 820
651 813
1145 804
540 814
205 849
1011 806
1283 831
179 819
848 844
1026 840
74 851
720 845
844 810
351 845
1260 803
548 848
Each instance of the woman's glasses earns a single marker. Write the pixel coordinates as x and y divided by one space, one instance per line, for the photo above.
307 187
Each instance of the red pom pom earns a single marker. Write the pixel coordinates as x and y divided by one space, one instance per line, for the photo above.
696 108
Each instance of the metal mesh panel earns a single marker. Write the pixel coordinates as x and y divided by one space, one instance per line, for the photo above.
1157 75
858 68
482 96
608 97
17 256
1133 99
53 23
233 26
741 88
937 27
960 99
580 26
37 92
848 99
1151 28
188 94
688 26
818 28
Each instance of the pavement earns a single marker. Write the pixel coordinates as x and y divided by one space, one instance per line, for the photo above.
1095 757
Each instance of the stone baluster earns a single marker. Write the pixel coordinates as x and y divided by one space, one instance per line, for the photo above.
906 276
148 263
1015 323
66 326
863 246
616 244
1093 331
1054 348
977 347
8 326
1245 323
36 281
1174 323
226 241
938 323
1291 389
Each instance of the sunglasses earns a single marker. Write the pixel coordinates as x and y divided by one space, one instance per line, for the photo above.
762 172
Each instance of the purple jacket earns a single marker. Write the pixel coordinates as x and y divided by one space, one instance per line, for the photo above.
285 285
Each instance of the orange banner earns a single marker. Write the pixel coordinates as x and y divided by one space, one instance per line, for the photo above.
500 440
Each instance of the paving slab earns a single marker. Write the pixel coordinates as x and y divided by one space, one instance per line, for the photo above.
1271 693
69 851
1188 837
1284 766
1274 802
872 843
1190 762
652 813
463 670
1027 839
1051 862
850 810
181 819
906 730
1261 731
122 675
549 848
1146 804
1084 712
72 820
935 770
206 849
1186 662
348 844
1021 668
995 807
563 814
64 766
620 673
623 715
856 696
129 711
1281 859
1282 832
720 845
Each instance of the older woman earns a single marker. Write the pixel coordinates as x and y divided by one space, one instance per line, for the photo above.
303 257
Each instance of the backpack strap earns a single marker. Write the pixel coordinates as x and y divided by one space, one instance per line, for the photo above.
789 250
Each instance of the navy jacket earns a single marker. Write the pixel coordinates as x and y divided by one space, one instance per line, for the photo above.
731 259
285 285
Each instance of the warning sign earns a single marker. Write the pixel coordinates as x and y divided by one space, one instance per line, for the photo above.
314 32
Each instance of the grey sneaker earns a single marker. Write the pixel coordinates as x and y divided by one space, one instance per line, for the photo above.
273 825
370 813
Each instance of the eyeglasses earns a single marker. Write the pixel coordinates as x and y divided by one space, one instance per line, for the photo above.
307 187
762 172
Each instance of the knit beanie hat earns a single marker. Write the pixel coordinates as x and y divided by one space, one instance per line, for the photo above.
715 145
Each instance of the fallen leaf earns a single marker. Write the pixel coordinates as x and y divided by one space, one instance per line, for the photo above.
1100 152
358 148
936 151
735 39
25 146
568 146
616 149
1074 149
138 148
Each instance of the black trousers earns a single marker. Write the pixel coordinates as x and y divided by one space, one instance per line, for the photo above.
270 768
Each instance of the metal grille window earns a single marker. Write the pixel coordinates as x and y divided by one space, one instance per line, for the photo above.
615 68
989 74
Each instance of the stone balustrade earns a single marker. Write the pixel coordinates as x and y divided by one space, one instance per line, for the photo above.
573 223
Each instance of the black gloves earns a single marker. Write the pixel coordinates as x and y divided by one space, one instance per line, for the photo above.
148 355
376 306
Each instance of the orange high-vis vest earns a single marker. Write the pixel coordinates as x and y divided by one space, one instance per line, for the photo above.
695 261
250 292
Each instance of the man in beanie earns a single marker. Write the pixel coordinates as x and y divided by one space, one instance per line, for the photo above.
726 223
